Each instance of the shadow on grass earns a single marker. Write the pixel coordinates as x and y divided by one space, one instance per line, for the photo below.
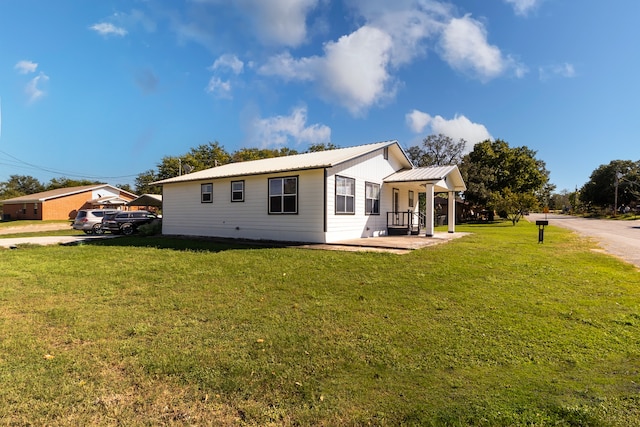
179 243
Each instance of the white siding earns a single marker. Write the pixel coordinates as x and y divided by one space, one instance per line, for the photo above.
183 214
370 168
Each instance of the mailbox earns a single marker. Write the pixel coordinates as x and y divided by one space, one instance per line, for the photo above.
541 224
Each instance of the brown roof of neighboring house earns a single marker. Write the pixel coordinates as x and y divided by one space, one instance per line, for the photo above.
60 192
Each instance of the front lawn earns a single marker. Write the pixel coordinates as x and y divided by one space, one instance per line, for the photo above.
489 329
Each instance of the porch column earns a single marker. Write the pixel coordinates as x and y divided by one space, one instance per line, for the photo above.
429 213
451 212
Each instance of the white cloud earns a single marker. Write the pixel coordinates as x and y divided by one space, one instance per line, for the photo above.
565 70
522 7
26 67
218 87
417 120
106 29
289 68
278 131
353 70
409 23
33 88
228 61
456 128
279 22
465 48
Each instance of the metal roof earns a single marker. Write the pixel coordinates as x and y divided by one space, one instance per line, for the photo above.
315 160
147 200
431 174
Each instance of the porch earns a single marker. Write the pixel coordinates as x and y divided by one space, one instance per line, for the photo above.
430 180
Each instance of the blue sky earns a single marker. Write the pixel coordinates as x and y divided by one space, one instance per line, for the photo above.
104 89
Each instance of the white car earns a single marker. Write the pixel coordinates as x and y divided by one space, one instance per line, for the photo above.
90 220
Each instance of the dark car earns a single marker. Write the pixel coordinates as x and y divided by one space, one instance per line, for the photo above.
126 222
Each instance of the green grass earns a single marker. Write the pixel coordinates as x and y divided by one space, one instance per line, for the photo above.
489 329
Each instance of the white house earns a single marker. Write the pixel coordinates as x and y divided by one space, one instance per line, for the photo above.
327 196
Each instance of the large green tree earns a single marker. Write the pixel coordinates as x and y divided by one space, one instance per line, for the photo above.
600 190
509 180
437 150
19 185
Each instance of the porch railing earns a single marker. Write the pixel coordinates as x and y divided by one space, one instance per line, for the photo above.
409 222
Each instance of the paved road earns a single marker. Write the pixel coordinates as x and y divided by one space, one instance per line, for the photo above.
619 238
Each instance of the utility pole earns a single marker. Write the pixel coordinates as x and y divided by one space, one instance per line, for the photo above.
615 199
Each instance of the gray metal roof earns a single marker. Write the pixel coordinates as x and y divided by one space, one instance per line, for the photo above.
315 160
450 174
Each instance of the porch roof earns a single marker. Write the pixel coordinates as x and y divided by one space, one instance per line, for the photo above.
445 178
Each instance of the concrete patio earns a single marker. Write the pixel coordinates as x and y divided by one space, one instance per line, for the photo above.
391 244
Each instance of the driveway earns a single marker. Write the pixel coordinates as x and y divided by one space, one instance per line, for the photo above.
12 242
619 238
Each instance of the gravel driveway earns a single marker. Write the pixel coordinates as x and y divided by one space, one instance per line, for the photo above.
619 238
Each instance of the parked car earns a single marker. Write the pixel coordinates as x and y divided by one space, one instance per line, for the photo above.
90 220
127 222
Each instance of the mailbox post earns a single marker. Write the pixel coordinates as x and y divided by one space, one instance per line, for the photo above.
541 225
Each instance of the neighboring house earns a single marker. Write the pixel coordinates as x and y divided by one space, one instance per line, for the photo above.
64 203
327 196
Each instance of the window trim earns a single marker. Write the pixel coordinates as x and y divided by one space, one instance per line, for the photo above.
282 196
367 185
241 199
352 196
203 193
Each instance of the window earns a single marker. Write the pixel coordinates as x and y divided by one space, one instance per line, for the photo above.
283 195
385 153
372 199
206 193
345 195
237 191
411 198
35 208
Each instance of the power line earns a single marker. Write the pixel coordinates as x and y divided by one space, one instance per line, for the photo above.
28 165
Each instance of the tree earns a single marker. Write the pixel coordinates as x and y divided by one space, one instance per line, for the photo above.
64 182
143 183
600 190
125 187
321 147
20 185
246 154
437 150
512 205
498 176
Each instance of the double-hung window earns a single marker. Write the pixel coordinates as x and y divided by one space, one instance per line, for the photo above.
206 193
345 195
372 199
237 191
283 195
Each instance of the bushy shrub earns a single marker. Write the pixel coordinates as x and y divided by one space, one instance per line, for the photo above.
151 229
